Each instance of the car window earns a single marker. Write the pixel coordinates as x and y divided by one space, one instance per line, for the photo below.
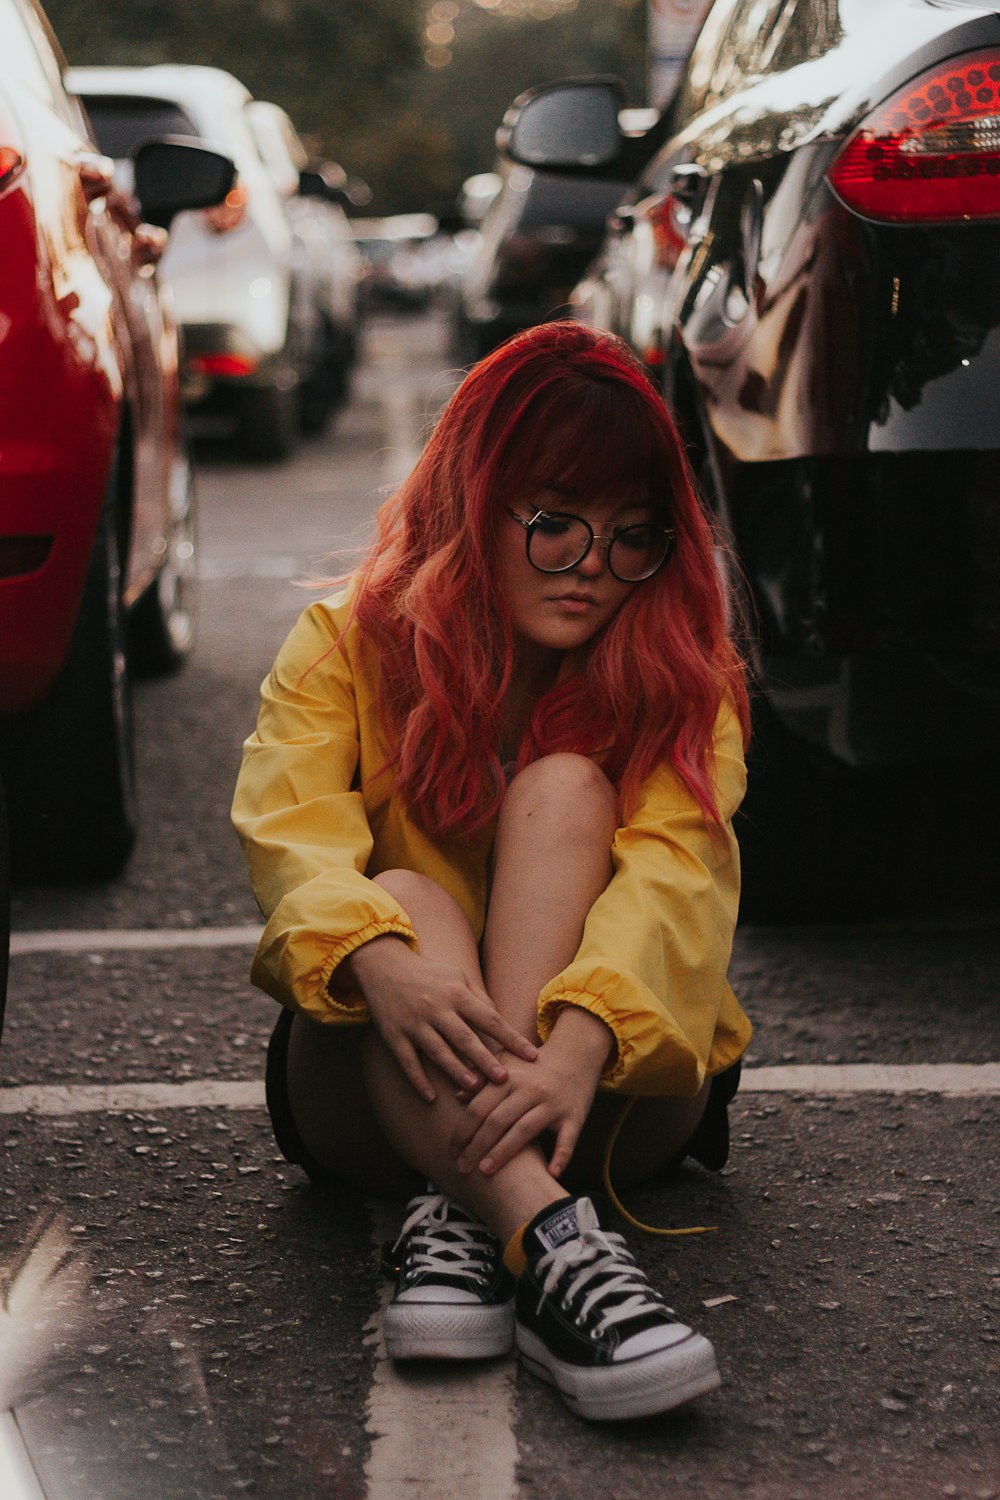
122 122
26 54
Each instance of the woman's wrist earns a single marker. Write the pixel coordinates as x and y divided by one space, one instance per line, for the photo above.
590 1039
372 960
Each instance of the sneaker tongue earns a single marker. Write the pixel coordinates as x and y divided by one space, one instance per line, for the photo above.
559 1222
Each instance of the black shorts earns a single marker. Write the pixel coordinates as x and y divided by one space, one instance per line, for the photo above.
709 1145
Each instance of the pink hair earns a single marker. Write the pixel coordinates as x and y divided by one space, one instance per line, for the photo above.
558 403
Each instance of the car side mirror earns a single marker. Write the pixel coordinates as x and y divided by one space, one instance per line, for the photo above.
567 127
174 174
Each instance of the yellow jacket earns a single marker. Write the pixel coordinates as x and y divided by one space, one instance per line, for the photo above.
317 820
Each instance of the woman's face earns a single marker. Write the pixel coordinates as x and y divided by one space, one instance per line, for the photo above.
562 611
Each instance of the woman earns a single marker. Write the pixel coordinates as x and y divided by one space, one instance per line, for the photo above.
487 814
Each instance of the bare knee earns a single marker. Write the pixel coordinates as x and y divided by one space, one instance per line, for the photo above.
563 784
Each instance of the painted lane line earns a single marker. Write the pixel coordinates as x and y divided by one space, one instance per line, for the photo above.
87 1099
132 939
874 1078
965 1080
445 1430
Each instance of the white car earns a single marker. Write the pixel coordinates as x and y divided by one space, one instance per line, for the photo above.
252 337
328 264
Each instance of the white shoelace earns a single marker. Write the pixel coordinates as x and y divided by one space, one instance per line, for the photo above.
598 1253
463 1250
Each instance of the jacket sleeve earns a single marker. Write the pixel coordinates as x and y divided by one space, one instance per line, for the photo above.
303 827
657 942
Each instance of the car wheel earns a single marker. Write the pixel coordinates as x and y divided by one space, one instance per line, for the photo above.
328 384
269 422
162 623
69 765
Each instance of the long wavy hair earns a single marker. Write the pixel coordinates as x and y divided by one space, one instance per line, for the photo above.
559 405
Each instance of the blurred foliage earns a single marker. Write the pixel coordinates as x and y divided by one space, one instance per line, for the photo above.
353 73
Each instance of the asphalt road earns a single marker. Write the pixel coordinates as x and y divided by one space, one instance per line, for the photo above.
185 1318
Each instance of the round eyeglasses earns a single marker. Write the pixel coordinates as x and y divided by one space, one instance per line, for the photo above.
557 542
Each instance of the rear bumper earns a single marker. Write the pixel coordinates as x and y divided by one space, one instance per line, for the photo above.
876 585
199 340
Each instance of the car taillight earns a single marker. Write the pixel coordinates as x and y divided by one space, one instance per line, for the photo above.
11 162
230 213
223 364
932 151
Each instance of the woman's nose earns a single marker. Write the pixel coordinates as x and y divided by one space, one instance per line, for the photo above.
594 563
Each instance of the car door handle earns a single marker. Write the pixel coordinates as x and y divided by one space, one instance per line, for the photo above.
97 174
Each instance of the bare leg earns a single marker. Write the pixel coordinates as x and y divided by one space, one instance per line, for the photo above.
551 862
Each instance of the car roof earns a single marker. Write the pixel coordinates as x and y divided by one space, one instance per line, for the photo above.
181 81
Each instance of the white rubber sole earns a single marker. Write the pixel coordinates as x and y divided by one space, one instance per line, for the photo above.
444 1330
635 1388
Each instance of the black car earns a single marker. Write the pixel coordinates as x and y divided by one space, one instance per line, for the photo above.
809 263
537 238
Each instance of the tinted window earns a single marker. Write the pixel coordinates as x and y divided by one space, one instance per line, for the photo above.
121 124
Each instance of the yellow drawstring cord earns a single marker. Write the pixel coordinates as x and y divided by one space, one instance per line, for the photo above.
630 1218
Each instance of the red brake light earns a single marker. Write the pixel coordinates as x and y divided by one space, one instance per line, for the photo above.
223 364
932 151
11 162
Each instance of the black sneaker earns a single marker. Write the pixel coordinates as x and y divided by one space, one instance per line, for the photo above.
589 1322
454 1297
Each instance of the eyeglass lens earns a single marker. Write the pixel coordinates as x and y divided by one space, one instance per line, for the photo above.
558 542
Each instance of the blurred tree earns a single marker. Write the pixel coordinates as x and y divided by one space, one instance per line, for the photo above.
360 78
342 70
496 55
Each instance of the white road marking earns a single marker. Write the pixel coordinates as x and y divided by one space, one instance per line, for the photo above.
18 1475
445 1431
128 939
966 1080
87 1099
874 1078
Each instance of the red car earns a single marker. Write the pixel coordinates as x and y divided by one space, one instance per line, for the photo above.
96 520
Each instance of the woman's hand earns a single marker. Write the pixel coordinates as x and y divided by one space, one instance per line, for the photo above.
555 1093
424 1009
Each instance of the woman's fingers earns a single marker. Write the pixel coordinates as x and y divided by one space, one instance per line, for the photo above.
562 1153
492 1023
461 1037
489 1128
408 1059
523 1131
437 1050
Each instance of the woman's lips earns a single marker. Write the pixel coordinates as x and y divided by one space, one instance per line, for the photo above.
575 604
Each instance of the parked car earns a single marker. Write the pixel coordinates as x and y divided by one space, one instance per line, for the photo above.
252 336
807 262
401 259
537 237
96 517
327 262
